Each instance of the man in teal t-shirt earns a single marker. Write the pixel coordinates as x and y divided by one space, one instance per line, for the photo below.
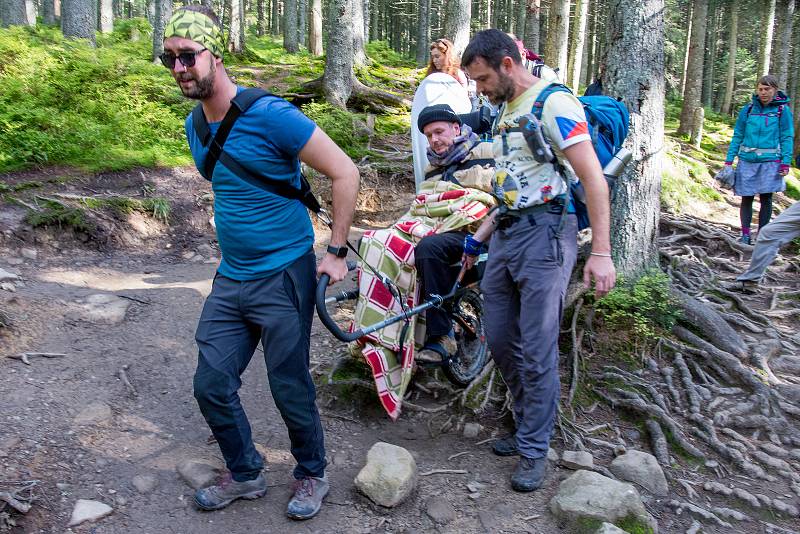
264 287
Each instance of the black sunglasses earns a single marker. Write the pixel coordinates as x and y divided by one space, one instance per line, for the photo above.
187 59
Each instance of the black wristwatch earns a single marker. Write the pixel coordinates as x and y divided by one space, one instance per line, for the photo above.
339 252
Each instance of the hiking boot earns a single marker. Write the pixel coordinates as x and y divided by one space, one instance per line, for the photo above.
307 498
436 350
506 446
529 474
227 490
745 239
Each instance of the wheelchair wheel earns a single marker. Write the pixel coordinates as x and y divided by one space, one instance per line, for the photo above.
473 350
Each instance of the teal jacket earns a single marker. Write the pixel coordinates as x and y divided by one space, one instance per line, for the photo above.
763 133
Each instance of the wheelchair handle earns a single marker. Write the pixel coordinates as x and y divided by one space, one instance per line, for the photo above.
324 316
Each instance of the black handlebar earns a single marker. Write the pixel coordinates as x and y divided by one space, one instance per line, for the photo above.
324 316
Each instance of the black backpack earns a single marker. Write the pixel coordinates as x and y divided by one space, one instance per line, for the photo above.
239 105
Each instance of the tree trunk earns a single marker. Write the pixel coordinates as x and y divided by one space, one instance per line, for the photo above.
732 48
578 42
368 7
78 19
555 50
290 26
423 31
163 14
784 43
533 10
261 21
337 81
520 12
694 71
710 52
49 12
686 53
794 78
236 31
315 29
106 16
696 135
766 37
275 26
302 21
456 24
591 46
17 13
359 53
635 73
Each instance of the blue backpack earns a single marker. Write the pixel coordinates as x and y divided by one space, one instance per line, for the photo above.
608 121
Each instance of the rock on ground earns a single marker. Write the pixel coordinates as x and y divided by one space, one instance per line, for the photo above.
103 309
440 510
609 528
472 430
199 473
6 276
590 495
144 483
389 476
95 412
577 460
643 469
86 510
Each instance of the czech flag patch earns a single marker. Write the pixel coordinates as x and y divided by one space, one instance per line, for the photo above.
569 128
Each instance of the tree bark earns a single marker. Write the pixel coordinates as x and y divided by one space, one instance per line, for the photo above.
458 14
710 53
635 73
275 26
766 37
591 45
49 12
423 31
733 34
236 28
315 29
302 21
784 43
290 26
533 10
106 16
261 21
359 41
17 13
163 14
78 19
694 71
368 7
555 50
686 53
578 42
337 81
520 14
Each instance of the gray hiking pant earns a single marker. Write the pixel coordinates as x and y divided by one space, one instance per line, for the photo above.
770 239
523 287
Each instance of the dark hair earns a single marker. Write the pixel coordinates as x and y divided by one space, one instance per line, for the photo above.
768 79
205 10
491 45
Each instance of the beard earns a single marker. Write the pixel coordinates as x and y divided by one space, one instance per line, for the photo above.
504 91
203 88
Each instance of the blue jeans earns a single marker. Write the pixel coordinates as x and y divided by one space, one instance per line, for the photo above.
277 311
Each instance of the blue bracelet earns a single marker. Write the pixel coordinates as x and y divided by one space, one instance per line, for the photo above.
472 247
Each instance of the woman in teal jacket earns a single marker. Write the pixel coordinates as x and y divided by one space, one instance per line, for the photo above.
763 139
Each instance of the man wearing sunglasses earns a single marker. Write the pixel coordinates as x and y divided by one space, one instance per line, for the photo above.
263 289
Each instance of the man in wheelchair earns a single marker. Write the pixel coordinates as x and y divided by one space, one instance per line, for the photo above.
423 245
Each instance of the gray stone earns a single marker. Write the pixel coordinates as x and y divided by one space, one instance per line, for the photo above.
144 483
552 455
14 261
86 510
207 251
389 476
440 510
610 528
6 276
472 430
198 472
8 286
590 495
577 460
643 469
96 412
101 308
29 253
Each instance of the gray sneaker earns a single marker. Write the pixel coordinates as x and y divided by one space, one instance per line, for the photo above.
227 490
307 498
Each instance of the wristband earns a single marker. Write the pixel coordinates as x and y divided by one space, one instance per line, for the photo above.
472 247
602 255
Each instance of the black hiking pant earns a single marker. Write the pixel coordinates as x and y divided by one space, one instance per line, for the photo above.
437 258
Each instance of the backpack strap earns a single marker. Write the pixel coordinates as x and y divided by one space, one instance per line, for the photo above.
538 105
239 105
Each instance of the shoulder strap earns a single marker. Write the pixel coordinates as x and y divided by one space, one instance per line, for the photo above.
461 167
538 105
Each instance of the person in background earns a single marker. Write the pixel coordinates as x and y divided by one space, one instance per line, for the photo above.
534 62
784 229
444 60
762 139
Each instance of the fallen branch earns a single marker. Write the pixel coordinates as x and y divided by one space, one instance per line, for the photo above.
14 503
122 374
25 356
444 472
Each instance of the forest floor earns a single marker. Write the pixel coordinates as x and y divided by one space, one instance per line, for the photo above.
118 405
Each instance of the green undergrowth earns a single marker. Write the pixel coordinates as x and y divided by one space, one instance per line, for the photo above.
54 213
64 102
630 524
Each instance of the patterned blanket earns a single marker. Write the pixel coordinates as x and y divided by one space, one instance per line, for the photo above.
439 207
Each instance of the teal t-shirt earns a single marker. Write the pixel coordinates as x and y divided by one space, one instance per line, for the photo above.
259 233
